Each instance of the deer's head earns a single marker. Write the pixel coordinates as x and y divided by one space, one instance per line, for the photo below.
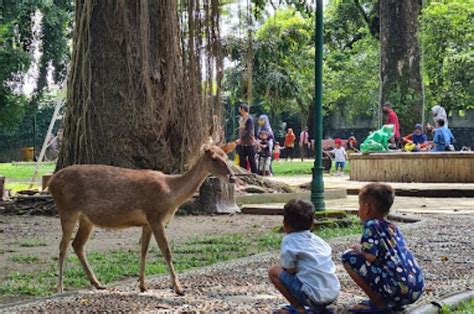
216 162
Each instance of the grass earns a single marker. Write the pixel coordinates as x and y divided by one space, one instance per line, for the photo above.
25 259
464 308
120 264
19 171
31 243
283 168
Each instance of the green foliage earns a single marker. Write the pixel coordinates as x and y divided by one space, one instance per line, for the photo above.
464 308
351 82
447 34
17 37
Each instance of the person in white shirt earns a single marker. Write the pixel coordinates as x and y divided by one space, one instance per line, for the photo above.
439 113
340 156
304 144
306 276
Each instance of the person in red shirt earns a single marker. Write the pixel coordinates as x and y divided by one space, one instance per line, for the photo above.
290 138
392 118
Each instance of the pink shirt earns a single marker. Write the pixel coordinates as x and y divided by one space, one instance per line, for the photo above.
392 118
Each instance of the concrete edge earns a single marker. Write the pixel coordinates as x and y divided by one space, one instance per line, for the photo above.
329 194
451 301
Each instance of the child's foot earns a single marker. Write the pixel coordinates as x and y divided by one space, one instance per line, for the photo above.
289 309
368 307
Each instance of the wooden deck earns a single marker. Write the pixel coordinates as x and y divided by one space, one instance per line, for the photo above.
434 167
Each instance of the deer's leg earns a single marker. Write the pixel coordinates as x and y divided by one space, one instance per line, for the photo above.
146 236
83 233
159 232
67 226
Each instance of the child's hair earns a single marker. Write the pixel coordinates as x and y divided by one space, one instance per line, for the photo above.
379 196
299 214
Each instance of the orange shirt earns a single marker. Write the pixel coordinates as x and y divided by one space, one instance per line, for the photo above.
290 140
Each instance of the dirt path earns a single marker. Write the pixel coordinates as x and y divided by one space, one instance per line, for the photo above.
442 244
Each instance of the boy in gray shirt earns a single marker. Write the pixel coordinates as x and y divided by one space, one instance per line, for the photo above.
306 275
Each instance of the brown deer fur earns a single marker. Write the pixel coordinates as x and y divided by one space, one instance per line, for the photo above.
112 197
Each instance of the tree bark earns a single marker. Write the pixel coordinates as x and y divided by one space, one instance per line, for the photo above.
130 103
401 82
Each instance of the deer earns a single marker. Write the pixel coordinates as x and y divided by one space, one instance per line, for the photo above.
116 198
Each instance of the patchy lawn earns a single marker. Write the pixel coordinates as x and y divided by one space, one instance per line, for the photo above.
292 168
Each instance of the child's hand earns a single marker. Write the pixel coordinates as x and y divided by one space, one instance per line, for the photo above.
356 247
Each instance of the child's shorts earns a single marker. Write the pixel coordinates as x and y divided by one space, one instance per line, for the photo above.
384 283
294 286
340 164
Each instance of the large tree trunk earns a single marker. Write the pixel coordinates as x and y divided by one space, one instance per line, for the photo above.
133 101
401 82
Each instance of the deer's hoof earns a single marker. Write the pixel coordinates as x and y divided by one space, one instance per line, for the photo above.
100 287
59 289
179 290
143 289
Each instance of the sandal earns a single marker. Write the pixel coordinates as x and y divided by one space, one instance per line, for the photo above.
292 310
371 308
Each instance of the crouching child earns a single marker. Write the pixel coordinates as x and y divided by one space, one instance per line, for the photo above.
306 274
382 265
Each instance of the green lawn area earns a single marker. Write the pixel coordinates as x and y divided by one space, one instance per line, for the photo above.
283 168
120 264
15 172
23 171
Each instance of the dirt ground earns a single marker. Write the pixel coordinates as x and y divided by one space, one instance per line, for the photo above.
441 243
46 233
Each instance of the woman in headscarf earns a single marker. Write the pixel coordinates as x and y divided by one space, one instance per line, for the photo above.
264 126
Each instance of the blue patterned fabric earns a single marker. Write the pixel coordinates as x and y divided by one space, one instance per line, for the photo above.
394 275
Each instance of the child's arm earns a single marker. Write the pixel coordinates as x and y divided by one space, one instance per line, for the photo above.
287 258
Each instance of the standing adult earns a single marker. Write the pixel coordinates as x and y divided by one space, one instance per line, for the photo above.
246 141
265 126
439 113
304 143
392 118
290 138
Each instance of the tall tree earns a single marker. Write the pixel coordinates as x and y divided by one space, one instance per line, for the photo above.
400 74
134 95
395 23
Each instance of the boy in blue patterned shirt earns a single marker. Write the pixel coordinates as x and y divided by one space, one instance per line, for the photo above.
382 264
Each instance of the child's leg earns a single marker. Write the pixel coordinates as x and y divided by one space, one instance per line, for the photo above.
274 275
352 260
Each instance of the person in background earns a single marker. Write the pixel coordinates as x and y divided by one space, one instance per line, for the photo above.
304 143
439 113
265 126
246 141
290 138
416 141
351 145
276 151
264 154
340 156
392 118
443 139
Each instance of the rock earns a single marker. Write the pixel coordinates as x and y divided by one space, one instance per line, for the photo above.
254 189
